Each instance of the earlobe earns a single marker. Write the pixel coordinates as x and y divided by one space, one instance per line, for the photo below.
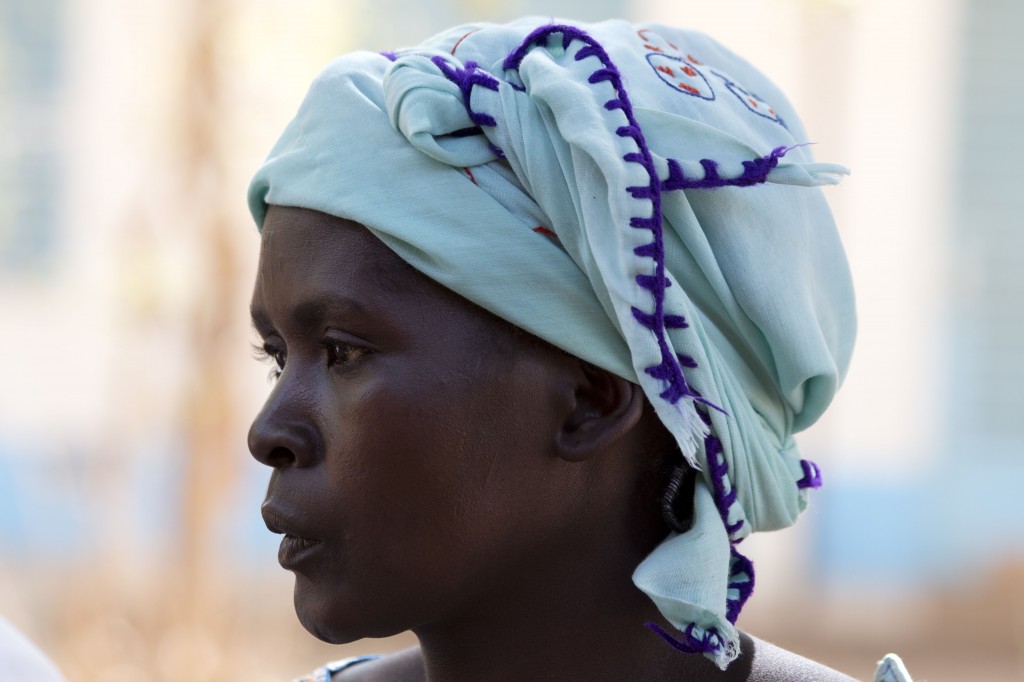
607 408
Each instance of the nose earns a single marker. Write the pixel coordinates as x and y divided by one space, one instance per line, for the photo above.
282 435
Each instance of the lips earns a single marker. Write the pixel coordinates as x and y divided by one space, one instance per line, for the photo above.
295 548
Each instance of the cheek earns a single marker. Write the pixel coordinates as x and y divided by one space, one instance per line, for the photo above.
430 461
417 448
441 486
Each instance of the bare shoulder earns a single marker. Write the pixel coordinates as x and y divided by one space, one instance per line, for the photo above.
774 664
402 666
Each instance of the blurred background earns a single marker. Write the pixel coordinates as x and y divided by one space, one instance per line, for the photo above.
131 546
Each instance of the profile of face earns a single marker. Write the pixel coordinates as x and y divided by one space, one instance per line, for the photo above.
427 461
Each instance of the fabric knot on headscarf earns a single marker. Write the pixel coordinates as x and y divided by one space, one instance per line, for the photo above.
633 176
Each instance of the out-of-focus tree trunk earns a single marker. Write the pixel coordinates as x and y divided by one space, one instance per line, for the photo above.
208 412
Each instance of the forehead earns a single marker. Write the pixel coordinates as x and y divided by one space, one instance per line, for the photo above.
309 259
326 249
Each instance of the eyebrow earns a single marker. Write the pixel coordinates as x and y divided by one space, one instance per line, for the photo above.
311 313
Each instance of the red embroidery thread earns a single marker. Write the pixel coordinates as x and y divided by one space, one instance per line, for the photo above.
459 41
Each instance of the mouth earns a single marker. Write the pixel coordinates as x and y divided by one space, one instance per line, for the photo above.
295 548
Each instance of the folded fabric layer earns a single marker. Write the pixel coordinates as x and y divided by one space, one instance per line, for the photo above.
621 192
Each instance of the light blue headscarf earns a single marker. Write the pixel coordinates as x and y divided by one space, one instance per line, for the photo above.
635 195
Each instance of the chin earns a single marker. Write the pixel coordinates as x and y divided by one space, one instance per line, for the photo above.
329 620
319 624
315 614
324 633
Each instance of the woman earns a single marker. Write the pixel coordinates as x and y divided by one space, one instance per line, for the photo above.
546 303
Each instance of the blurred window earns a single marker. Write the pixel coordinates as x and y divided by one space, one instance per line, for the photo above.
31 77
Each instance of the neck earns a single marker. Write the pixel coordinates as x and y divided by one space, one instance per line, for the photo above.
580 620
568 609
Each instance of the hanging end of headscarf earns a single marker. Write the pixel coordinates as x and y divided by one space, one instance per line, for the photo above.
808 174
694 640
679 577
814 174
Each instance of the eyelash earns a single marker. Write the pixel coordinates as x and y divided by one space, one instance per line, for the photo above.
338 353
269 355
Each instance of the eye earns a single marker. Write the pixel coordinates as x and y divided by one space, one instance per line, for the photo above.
269 353
340 353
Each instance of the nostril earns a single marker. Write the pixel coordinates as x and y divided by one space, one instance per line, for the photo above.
281 443
279 458
271 449
266 446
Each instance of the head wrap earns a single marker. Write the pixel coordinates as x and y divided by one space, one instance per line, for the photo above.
636 195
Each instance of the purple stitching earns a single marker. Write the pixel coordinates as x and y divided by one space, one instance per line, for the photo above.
755 172
690 643
741 571
812 475
741 568
669 369
719 470
466 78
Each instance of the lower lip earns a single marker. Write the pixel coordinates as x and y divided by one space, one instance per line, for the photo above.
295 550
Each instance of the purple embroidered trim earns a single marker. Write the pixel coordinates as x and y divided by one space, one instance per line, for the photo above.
741 569
390 55
466 78
669 369
741 574
755 172
719 470
812 475
689 643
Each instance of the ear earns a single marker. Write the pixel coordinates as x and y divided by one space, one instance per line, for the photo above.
607 407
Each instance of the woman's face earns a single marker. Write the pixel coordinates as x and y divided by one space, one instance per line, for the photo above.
410 435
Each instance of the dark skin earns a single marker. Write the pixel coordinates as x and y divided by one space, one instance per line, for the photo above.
436 472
